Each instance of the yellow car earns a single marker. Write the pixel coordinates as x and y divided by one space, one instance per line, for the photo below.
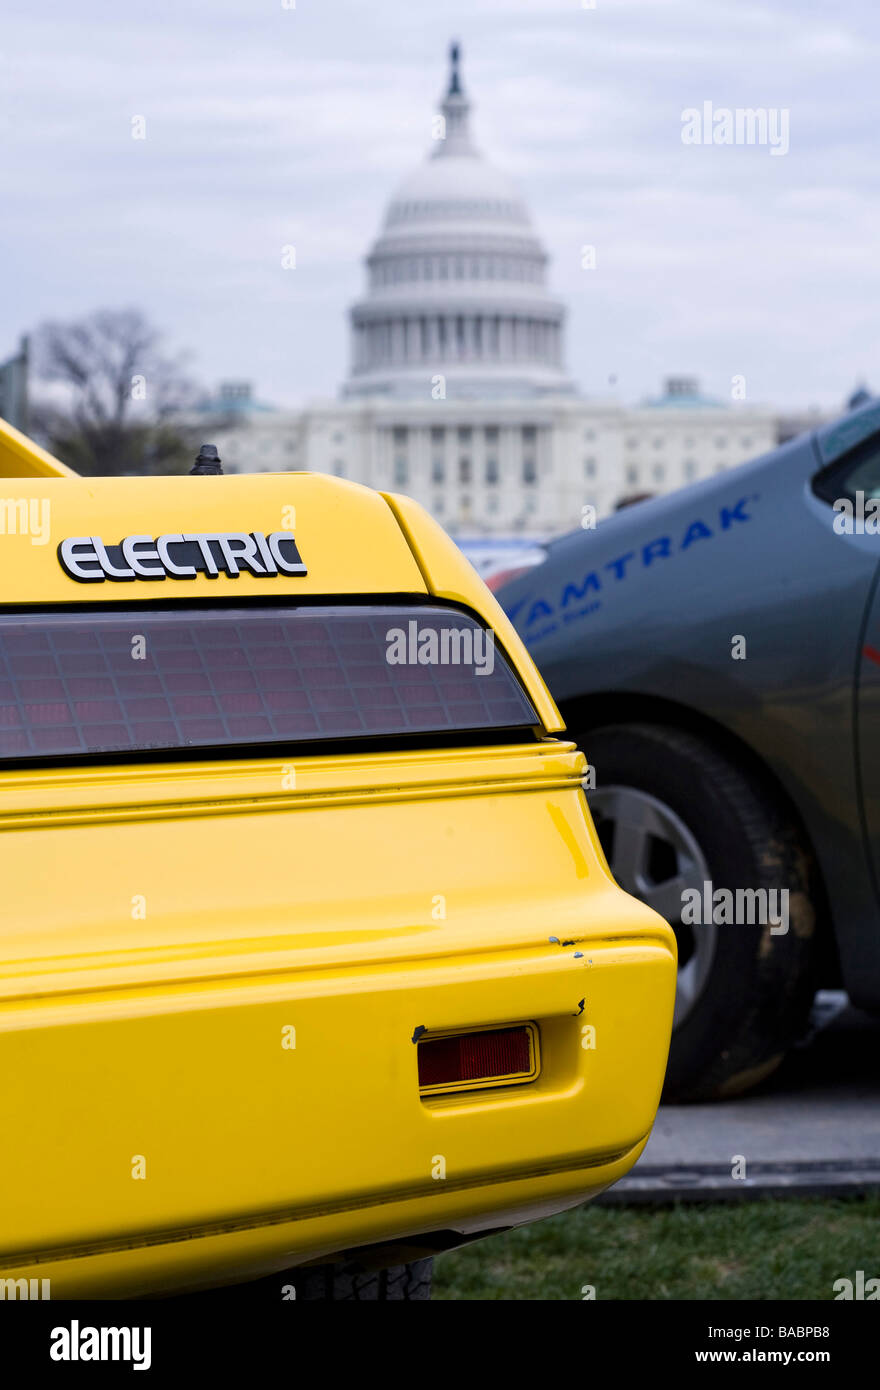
310 959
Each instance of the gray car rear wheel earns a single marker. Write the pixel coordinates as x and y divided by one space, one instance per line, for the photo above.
655 856
674 814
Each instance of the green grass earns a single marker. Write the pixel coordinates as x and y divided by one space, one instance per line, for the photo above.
764 1249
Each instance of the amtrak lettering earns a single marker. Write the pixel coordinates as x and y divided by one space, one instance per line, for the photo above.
88 560
530 610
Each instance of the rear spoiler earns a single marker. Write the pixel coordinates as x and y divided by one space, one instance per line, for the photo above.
20 457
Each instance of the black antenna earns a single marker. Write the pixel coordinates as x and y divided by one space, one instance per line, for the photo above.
208 461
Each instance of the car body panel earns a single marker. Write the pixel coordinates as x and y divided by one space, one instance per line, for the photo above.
21 457
214 970
219 918
334 516
750 553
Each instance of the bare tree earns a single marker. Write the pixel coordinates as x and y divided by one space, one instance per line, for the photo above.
117 404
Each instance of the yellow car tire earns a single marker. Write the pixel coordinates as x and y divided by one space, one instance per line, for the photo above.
352 1284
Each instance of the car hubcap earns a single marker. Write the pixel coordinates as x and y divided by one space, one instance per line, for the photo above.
654 856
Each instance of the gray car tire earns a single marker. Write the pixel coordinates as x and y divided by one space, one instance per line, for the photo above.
700 813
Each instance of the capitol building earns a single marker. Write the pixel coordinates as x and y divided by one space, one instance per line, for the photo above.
459 393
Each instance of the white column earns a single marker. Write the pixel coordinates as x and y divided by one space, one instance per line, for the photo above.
397 340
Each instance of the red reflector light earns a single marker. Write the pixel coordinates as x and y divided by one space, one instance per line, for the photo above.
476 1058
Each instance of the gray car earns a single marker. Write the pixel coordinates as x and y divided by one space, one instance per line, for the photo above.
716 653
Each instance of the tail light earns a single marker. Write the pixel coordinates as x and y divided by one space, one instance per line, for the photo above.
482 1058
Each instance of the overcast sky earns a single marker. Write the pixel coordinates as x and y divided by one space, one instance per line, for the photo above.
268 126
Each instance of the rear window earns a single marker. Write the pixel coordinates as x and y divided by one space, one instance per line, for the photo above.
80 684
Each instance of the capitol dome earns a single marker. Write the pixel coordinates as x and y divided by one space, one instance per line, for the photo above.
457 282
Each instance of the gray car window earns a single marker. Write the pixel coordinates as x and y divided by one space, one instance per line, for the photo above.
858 471
865 477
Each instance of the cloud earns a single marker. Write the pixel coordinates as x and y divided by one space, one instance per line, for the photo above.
267 126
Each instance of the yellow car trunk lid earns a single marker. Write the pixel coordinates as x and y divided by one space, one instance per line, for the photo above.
346 537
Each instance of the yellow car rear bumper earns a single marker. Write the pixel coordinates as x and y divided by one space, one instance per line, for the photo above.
227 1084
